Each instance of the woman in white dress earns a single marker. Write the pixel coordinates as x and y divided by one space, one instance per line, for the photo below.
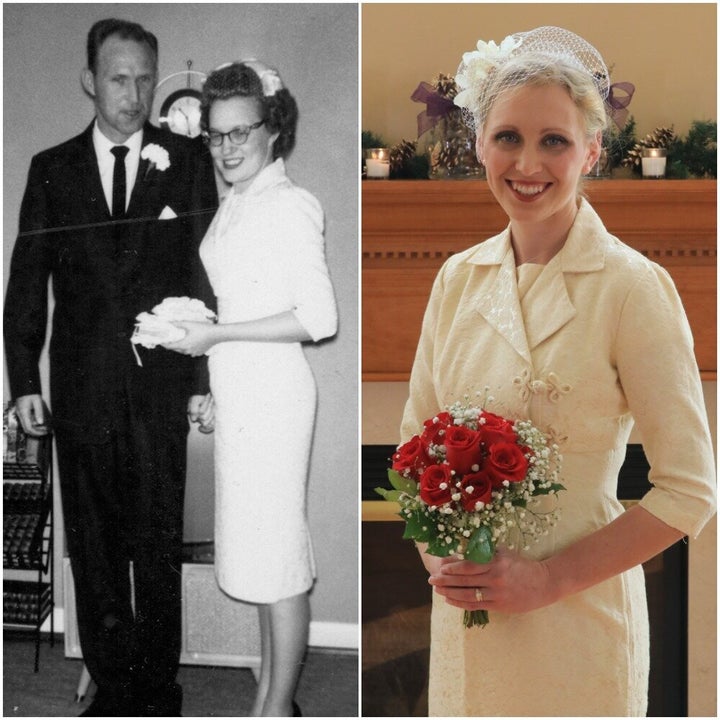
579 333
264 255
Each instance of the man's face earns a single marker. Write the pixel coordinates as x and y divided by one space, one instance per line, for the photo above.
122 87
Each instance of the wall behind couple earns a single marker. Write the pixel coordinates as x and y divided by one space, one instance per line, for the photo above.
315 49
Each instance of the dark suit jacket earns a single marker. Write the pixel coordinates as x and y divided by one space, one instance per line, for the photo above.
102 277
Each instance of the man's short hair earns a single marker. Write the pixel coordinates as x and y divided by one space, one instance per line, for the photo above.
124 29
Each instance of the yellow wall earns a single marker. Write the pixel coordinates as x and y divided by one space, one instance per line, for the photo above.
666 50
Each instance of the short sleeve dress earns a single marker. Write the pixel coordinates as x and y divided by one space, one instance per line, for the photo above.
264 254
588 344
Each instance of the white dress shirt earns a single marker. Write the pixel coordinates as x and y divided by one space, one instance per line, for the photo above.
106 162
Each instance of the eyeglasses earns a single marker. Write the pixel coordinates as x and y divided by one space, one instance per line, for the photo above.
238 135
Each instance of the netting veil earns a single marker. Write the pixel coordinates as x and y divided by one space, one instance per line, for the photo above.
488 71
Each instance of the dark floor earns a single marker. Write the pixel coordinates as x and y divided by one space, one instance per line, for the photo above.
328 685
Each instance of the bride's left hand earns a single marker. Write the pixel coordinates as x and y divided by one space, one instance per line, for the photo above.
199 338
509 583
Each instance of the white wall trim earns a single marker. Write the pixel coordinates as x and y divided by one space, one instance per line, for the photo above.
334 635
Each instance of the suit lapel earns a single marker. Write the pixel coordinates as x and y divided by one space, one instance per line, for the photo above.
142 178
93 203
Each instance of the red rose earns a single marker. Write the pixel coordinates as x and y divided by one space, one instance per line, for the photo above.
476 487
463 448
496 429
436 485
506 461
411 456
434 433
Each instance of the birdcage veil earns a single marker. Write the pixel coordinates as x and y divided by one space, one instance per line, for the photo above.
485 73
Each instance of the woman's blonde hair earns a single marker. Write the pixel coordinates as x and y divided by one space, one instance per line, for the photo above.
532 70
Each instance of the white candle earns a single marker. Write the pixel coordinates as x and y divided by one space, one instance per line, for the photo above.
378 163
377 168
654 162
653 167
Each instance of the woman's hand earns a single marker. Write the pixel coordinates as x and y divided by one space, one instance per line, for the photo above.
199 338
509 583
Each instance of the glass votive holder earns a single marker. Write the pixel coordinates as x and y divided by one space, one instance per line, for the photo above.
654 161
377 163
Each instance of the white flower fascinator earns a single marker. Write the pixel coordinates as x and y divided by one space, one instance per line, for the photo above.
480 78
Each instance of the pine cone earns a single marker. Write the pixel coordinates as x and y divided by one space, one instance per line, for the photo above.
445 86
633 157
401 153
448 157
660 137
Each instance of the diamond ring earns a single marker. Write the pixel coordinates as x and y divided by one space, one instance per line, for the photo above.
478 595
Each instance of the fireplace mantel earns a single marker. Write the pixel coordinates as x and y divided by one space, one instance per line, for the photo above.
410 227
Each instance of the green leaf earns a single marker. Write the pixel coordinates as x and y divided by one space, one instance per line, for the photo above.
555 487
390 495
402 483
418 527
480 547
438 547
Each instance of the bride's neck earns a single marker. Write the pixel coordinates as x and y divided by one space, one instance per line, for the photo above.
540 242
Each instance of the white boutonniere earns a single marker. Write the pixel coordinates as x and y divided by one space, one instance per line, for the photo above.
158 157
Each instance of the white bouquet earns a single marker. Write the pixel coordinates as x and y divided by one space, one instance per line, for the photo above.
156 327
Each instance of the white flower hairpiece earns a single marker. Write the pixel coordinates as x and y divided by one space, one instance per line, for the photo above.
269 77
158 156
477 66
546 46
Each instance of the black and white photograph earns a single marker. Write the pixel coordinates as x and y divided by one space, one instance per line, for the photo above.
181 359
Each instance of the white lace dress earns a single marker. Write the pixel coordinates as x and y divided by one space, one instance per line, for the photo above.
583 346
264 254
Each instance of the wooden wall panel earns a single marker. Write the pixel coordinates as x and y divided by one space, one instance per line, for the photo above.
410 228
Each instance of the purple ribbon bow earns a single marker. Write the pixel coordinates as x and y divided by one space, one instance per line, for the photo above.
617 105
437 106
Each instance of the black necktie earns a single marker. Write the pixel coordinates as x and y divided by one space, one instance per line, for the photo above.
118 191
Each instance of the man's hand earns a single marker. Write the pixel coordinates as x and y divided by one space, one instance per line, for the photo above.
33 415
201 409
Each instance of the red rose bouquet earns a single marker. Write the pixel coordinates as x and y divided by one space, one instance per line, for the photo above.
472 480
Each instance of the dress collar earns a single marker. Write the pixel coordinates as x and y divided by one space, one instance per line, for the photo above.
584 250
271 175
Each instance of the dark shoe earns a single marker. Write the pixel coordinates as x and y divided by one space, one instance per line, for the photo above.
296 710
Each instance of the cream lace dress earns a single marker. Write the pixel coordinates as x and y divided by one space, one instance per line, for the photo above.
264 254
583 346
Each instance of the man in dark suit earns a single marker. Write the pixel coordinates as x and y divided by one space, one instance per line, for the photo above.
117 231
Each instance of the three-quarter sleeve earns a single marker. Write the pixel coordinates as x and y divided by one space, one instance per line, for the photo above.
660 379
300 222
